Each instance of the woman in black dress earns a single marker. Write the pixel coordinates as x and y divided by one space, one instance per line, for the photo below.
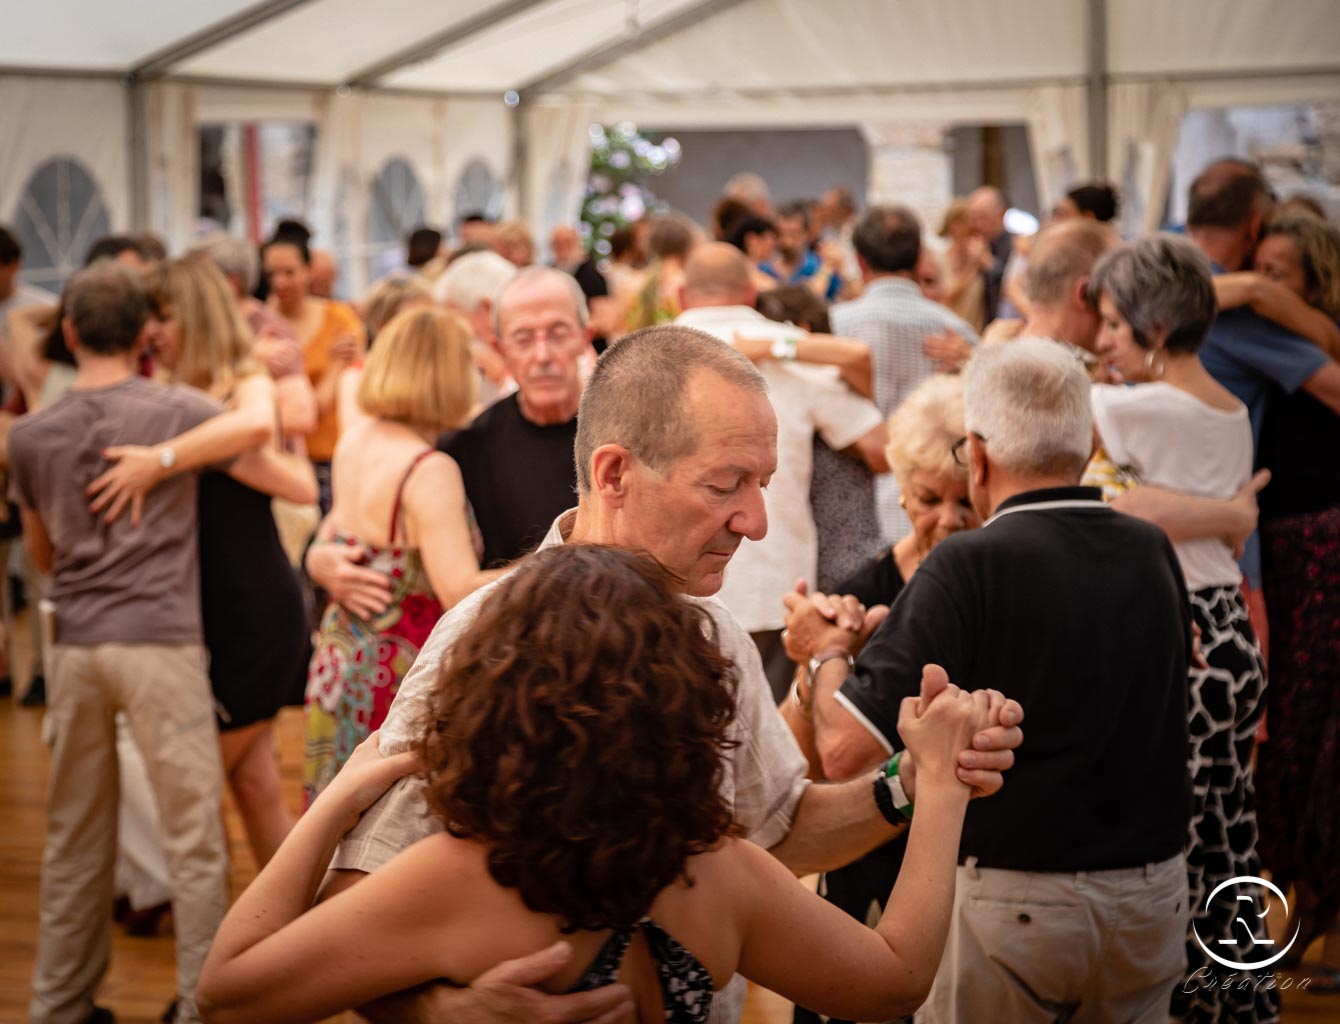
255 620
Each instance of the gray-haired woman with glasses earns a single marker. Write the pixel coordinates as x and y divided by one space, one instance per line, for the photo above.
1172 425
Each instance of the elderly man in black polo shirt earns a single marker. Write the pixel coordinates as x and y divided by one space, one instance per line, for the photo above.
1072 897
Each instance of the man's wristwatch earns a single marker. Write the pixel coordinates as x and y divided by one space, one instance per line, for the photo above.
785 348
167 458
890 797
831 654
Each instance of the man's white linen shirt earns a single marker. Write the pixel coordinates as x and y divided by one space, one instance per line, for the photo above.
763 782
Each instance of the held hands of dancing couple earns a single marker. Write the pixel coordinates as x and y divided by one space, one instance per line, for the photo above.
821 625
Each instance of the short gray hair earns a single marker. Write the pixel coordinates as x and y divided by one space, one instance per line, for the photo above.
472 280
235 258
637 395
529 275
1029 403
1160 285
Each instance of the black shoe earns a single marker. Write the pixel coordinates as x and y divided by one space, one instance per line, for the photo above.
170 1014
101 1015
36 697
6 687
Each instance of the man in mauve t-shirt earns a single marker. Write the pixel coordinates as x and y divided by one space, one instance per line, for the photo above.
127 638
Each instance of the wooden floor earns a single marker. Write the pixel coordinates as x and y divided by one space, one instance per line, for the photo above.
140 982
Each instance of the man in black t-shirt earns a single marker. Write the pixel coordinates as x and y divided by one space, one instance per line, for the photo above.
516 457
1072 894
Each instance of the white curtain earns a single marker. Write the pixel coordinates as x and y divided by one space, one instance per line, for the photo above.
174 163
339 210
1058 120
1144 118
558 162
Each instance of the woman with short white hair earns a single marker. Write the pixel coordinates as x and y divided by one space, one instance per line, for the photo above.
933 491
1179 429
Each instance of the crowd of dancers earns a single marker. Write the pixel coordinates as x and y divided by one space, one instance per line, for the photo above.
622 590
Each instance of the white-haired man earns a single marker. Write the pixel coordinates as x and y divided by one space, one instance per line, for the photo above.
515 457
1071 898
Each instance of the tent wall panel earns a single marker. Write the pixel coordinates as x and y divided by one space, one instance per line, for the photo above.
42 118
476 130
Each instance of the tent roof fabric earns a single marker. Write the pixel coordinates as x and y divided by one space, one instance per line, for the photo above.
489 46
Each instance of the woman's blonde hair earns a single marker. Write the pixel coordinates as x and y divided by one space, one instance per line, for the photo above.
420 371
1318 251
954 212
923 429
215 340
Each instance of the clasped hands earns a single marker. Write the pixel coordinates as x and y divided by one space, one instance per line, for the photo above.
817 623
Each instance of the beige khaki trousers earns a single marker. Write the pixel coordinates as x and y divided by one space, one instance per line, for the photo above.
1099 947
164 694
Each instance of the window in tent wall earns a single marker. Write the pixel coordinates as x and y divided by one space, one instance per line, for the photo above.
478 191
253 174
1296 145
396 207
59 215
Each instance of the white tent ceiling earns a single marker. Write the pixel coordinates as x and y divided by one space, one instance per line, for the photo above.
1102 85
492 45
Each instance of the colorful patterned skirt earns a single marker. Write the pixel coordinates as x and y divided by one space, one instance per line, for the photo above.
355 672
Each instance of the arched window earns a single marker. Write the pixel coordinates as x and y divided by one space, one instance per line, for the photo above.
59 215
478 191
396 209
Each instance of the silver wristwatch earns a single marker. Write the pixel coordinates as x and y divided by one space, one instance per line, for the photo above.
830 655
167 458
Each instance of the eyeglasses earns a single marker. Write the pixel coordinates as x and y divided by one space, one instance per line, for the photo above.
557 335
956 449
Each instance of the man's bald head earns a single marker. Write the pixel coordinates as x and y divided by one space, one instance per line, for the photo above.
717 274
1227 194
986 211
1062 256
1228 206
322 274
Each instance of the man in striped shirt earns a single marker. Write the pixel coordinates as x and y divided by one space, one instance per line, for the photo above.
896 321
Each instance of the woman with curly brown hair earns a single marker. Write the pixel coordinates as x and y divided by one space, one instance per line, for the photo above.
574 752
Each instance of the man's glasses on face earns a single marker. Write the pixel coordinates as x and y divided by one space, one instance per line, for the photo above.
557 335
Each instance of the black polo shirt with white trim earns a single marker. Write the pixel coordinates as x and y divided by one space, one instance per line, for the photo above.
1080 613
